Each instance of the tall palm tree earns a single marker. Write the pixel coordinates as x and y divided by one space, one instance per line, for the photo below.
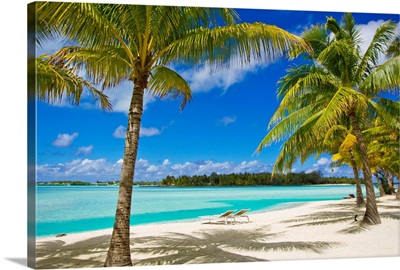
340 82
116 43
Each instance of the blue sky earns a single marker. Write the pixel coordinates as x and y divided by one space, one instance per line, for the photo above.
217 132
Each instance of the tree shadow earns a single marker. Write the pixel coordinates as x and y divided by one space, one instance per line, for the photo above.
87 253
217 246
322 218
391 215
342 213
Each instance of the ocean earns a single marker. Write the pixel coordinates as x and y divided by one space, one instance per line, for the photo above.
71 209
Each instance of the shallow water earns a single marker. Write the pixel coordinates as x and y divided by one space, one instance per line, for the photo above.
69 209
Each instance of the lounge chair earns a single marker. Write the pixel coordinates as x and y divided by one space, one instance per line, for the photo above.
351 196
224 217
241 214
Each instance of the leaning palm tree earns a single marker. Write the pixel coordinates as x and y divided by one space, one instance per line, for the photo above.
339 82
116 43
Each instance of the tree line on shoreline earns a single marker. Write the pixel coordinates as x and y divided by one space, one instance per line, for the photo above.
255 179
77 183
232 179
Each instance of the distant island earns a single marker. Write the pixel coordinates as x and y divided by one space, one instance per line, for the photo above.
256 179
77 183
233 179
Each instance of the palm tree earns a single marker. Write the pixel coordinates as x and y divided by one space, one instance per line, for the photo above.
384 151
339 83
116 43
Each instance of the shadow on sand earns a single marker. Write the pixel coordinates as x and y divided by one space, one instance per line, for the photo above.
215 246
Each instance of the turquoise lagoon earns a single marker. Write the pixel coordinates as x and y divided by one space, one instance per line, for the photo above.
70 209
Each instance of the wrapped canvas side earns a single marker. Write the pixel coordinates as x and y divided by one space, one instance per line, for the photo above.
31 111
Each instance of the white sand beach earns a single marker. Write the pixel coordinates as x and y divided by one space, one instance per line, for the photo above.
317 230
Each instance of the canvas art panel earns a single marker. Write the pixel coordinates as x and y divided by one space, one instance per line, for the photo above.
190 135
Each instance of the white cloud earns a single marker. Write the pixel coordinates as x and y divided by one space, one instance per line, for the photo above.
120 132
323 162
324 166
120 97
367 32
80 169
205 78
101 169
84 151
227 120
64 140
152 168
166 162
148 132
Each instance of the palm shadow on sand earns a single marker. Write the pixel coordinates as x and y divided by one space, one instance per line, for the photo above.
88 253
348 213
207 246
217 246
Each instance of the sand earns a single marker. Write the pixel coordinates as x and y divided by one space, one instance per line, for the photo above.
316 230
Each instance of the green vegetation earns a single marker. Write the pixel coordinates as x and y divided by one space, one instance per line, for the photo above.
342 102
255 179
77 183
64 183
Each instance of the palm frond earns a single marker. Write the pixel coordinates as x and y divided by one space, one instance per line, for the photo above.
301 144
383 35
317 38
386 114
54 82
393 49
286 127
343 102
341 60
165 82
305 88
107 67
348 143
238 43
385 78
89 18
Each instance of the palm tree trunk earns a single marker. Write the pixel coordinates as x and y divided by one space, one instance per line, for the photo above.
398 193
389 178
359 195
119 250
381 190
371 215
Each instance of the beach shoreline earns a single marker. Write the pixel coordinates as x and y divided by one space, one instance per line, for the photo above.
311 230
